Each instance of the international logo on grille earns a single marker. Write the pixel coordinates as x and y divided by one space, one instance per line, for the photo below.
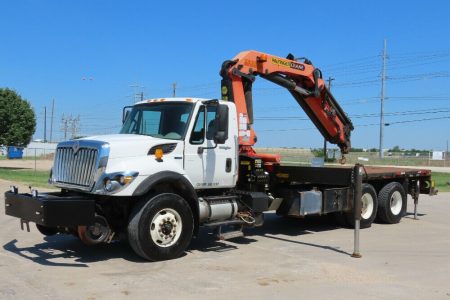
76 147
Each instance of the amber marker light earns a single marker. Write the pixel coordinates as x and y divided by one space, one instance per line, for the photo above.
159 154
262 58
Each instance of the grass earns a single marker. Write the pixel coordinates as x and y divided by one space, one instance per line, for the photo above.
25 176
441 180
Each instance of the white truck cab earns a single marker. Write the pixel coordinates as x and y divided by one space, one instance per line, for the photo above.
159 135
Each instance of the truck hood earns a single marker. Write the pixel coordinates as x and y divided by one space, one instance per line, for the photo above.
129 145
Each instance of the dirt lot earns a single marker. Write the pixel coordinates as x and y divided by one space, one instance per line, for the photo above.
41 165
285 258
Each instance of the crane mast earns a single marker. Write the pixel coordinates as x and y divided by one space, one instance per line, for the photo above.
303 81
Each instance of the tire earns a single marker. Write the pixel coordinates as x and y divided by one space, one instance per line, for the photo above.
161 228
369 207
96 233
391 203
47 231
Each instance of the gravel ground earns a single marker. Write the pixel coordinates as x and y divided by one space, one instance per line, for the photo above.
285 258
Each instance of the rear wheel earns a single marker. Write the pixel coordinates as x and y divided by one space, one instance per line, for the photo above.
392 203
161 228
369 206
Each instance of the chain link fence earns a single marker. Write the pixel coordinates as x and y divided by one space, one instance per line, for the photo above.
288 156
306 156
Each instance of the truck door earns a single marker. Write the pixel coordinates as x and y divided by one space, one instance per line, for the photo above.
212 167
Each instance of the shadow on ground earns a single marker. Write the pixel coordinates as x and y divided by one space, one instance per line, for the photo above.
68 251
54 248
275 227
278 228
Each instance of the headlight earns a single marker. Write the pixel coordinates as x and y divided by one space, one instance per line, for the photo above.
108 185
114 182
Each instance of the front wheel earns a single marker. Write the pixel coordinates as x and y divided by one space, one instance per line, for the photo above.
161 228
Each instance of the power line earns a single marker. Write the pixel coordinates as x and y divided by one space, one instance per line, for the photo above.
362 125
369 115
414 121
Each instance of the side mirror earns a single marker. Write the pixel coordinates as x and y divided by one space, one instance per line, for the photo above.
221 122
126 113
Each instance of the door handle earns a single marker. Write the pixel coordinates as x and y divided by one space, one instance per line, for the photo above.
228 164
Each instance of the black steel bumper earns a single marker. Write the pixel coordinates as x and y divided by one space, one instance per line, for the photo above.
51 209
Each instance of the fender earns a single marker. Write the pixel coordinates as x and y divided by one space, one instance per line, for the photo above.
180 185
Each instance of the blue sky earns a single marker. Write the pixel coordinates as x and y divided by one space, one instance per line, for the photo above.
49 47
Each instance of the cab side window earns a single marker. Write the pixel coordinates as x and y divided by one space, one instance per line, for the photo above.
211 121
198 132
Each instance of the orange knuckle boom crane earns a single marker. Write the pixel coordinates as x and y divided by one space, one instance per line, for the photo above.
304 82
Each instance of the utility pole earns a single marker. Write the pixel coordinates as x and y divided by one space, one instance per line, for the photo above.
51 121
45 124
174 89
70 124
330 79
134 87
75 126
383 80
65 125
445 157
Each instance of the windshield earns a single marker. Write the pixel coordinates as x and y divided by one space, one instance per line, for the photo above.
162 120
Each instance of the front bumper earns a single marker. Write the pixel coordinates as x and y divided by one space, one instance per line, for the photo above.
51 209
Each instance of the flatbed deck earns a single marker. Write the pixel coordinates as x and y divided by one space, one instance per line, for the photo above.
373 172
342 175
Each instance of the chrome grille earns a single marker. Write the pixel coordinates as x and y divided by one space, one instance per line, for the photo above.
75 167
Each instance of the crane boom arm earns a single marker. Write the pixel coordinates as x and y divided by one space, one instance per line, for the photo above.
303 81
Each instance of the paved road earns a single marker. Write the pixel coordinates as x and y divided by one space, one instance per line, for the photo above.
285 258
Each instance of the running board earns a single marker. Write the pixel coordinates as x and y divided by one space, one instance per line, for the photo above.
224 223
227 234
230 235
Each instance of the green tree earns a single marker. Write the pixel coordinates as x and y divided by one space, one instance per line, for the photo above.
17 119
